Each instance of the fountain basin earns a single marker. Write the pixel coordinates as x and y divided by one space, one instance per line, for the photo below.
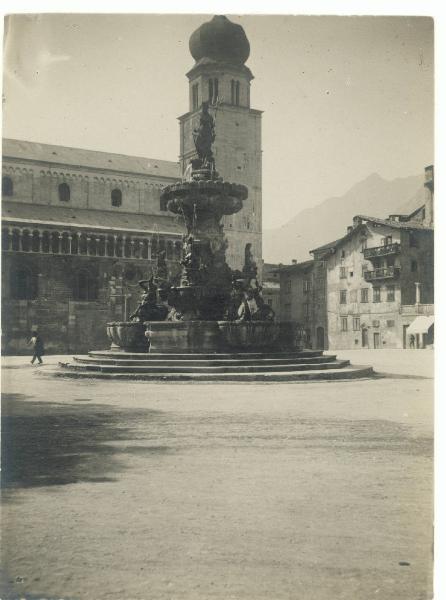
252 335
128 336
184 336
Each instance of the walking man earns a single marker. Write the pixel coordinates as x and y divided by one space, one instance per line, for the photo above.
37 344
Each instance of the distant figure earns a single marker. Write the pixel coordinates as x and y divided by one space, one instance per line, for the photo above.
37 343
412 341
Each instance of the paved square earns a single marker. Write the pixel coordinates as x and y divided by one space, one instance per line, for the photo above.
318 491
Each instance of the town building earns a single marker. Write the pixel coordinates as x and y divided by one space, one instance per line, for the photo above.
372 288
80 227
380 279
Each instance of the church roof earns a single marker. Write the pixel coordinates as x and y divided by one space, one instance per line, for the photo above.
80 157
30 215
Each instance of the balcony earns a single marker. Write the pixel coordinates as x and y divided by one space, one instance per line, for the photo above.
417 309
382 273
386 250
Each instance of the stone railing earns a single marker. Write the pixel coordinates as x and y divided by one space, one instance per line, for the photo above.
417 309
33 240
382 273
386 250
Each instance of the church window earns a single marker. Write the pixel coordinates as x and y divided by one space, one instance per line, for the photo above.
7 187
64 192
195 96
116 197
23 284
213 90
235 92
85 288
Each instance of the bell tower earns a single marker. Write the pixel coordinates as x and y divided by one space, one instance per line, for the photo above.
220 49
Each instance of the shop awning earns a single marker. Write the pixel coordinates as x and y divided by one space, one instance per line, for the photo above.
420 325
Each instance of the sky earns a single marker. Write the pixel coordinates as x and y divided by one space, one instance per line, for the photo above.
343 97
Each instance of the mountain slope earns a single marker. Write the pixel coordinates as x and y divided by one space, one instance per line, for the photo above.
312 227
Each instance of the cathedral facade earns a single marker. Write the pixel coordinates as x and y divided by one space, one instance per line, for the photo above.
80 227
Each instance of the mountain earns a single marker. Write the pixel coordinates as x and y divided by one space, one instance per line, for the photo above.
328 221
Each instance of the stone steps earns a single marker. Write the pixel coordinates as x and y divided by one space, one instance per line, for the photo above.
206 369
194 362
344 373
142 356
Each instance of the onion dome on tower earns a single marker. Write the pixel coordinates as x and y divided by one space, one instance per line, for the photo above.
220 40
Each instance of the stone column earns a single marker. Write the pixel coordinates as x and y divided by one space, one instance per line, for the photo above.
88 244
417 292
70 238
20 240
132 248
115 247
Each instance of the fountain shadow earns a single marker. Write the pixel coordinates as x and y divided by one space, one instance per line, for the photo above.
50 444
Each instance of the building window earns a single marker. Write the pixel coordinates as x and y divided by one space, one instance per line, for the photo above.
85 287
390 293
116 197
288 286
344 323
235 92
377 294
195 96
7 186
413 266
353 295
351 273
342 253
213 90
307 286
342 272
269 301
413 242
356 323
363 243
343 297
307 309
375 323
64 192
390 323
23 284
287 311
364 294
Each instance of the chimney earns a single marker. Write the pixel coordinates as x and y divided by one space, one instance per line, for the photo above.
294 261
349 228
429 195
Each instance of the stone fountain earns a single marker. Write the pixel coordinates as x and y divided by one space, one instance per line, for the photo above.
212 323
213 307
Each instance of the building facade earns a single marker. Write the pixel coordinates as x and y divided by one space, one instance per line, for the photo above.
376 272
372 288
80 228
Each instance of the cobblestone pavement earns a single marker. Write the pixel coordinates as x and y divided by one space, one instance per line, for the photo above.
309 491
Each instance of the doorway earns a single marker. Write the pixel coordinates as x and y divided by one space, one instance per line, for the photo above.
376 340
365 337
320 338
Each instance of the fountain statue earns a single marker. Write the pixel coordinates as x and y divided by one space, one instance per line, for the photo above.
211 306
